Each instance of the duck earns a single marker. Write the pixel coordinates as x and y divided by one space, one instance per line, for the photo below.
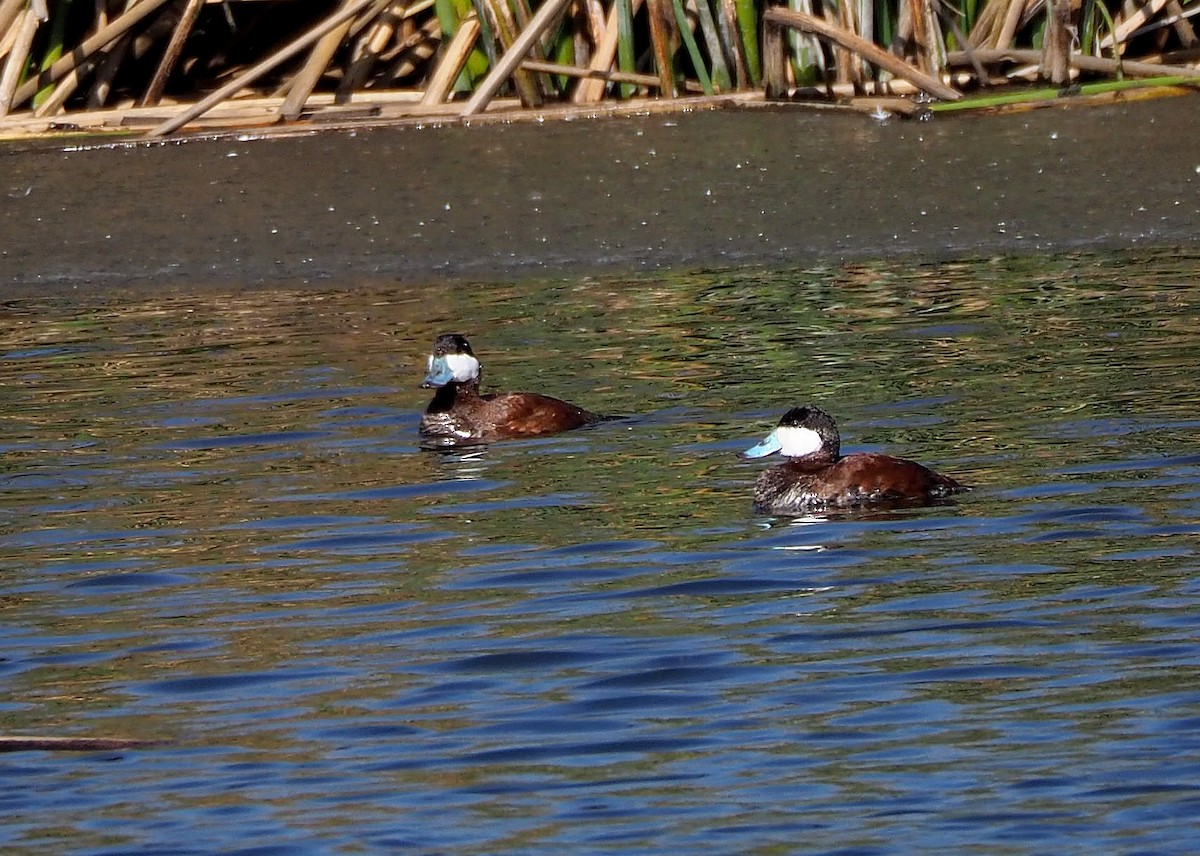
458 412
817 476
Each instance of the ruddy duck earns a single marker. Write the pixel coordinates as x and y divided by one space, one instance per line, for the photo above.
817 476
459 413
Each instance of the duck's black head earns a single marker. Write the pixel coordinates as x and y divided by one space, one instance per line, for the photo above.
803 432
452 361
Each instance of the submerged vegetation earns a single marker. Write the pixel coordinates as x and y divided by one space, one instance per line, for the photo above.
158 65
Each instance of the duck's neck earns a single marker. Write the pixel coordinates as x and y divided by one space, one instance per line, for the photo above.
445 396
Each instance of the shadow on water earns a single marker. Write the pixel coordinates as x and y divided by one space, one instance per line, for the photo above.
220 530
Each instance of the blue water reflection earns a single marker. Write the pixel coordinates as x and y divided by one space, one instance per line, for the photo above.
590 642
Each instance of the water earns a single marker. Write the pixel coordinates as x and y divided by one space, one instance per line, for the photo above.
218 530
683 191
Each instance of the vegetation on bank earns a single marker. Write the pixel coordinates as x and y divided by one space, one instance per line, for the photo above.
161 64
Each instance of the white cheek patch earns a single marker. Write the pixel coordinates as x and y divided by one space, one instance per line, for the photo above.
798 442
464 366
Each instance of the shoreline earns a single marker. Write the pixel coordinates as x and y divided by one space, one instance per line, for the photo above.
258 117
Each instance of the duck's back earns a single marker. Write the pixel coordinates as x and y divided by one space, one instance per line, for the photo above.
463 414
528 414
859 479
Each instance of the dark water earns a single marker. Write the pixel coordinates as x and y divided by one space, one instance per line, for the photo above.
218 530
631 195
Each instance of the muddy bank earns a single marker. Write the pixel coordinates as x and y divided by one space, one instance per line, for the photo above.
619 195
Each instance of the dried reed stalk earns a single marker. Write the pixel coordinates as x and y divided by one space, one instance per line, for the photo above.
648 80
109 62
1056 43
926 36
987 23
26 27
53 103
1083 62
413 50
101 39
504 25
370 47
1126 24
453 60
9 10
171 55
1183 29
305 81
1012 20
253 73
842 57
545 17
852 71
774 48
591 89
868 51
663 39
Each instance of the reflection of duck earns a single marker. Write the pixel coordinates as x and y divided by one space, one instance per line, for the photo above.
817 476
458 412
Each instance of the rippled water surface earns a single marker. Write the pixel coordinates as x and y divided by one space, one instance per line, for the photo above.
219 531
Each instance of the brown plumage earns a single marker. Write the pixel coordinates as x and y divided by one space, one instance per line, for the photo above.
460 413
817 476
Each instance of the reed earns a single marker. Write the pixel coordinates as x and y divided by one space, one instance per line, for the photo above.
185 57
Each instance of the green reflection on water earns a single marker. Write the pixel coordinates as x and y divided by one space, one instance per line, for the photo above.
165 433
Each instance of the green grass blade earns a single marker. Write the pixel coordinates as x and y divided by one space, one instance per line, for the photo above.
749 22
693 49
626 57
1033 96
712 41
53 49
